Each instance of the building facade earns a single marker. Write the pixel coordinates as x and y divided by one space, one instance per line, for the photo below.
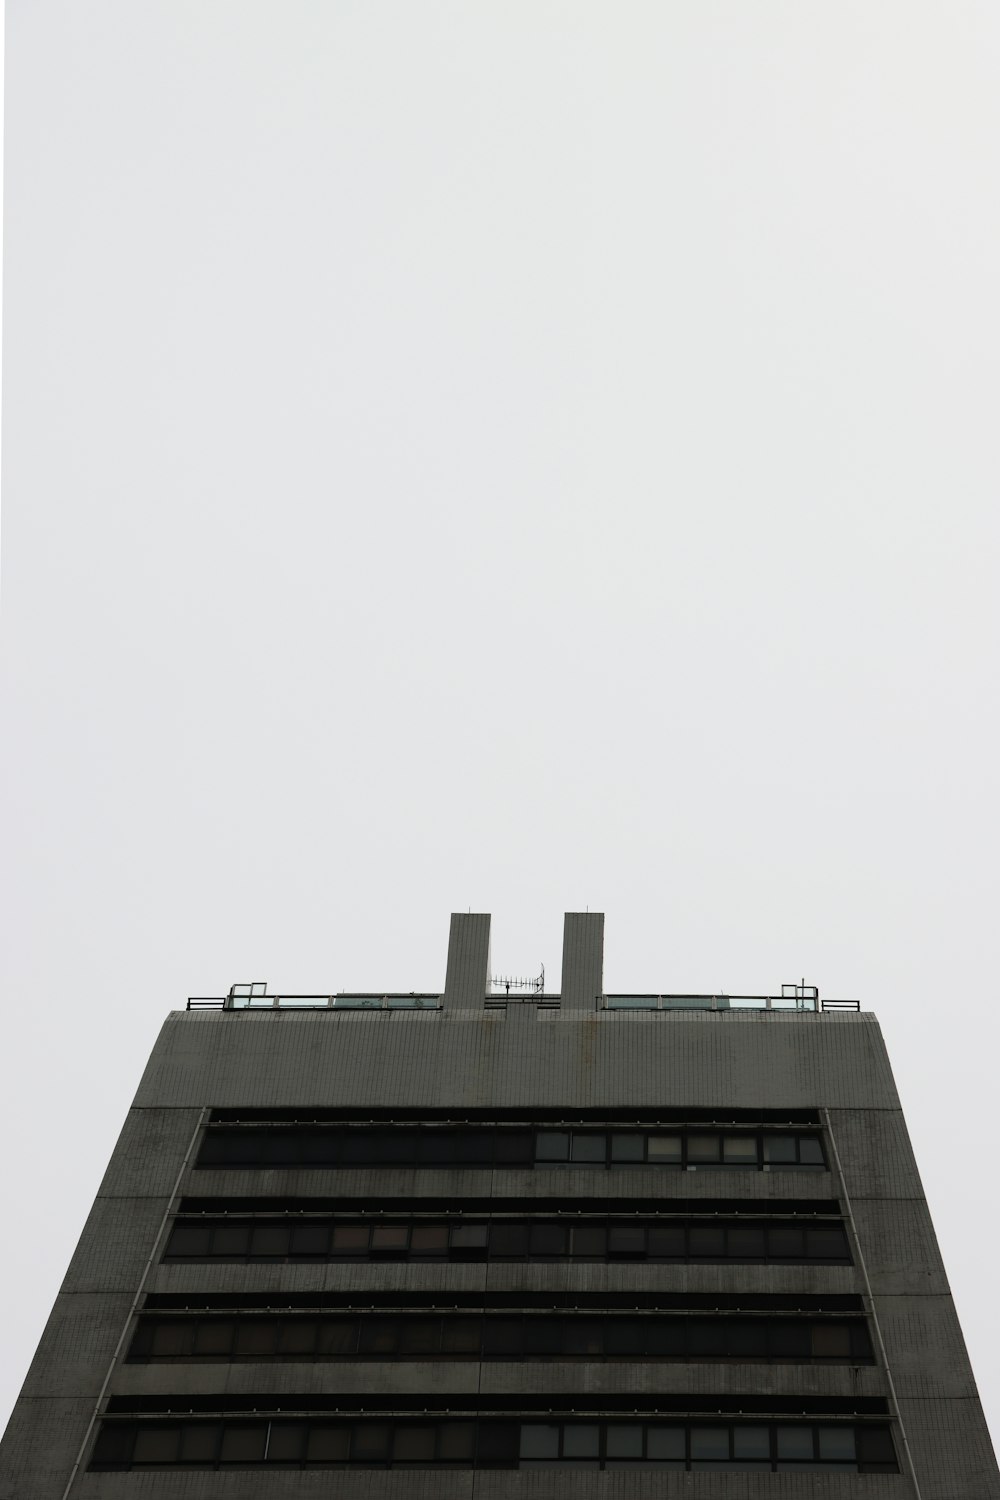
497 1245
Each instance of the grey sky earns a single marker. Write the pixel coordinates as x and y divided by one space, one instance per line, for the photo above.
518 456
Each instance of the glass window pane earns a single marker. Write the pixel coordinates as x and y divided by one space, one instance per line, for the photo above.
707 1242
784 1243
539 1441
214 1336
435 1147
515 1148
740 1150
703 1148
475 1147
552 1145
370 1442
497 1445
255 1336
667 1242
172 1339
390 1237
457 1443
548 1239
328 1443
543 1337
269 1239
114 1444
625 1337
745 1244
710 1442
589 1240
350 1237
746 1338
189 1240
628 1147
780 1148
429 1239
591 1146
503 1338
287 1442
231 1239
243 1443
419 1336
795 1442
310 1240
199 1442
583 1337
664 1148
470 1236
837 1443
826 1244
789 1340
665 1442
831 1341
509 1239
811 1150
156 1445
297 1336
751 1442
461 1336
624 1239
414 1444
666 1338
378 1336
624 1441
706 1338
337 1337
581 1440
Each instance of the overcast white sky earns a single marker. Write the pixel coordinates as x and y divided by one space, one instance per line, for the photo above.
513 455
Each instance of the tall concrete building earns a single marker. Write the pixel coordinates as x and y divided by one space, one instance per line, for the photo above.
495 1243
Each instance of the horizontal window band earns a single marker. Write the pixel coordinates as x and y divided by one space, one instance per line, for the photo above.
558 1403
765 1338
428 1147
422 1443
613 1240
719 1115
749 1302
518 1207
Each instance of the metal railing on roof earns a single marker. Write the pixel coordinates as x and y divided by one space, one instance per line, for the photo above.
792 999
245 997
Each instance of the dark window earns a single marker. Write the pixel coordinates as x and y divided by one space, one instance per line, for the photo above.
429 1239
311 1241
256 1337
715 1239
189 1239
287 1443
548 1239
509 1240
231 1239
627 1241
429 1145
706 1242
532 1442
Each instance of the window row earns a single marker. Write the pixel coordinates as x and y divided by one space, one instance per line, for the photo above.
437 1146
450 1443
503 1239
501 1336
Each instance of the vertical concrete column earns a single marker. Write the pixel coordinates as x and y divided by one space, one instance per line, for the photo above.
583 959
468 976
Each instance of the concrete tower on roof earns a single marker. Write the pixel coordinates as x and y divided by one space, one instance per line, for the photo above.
581 1246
